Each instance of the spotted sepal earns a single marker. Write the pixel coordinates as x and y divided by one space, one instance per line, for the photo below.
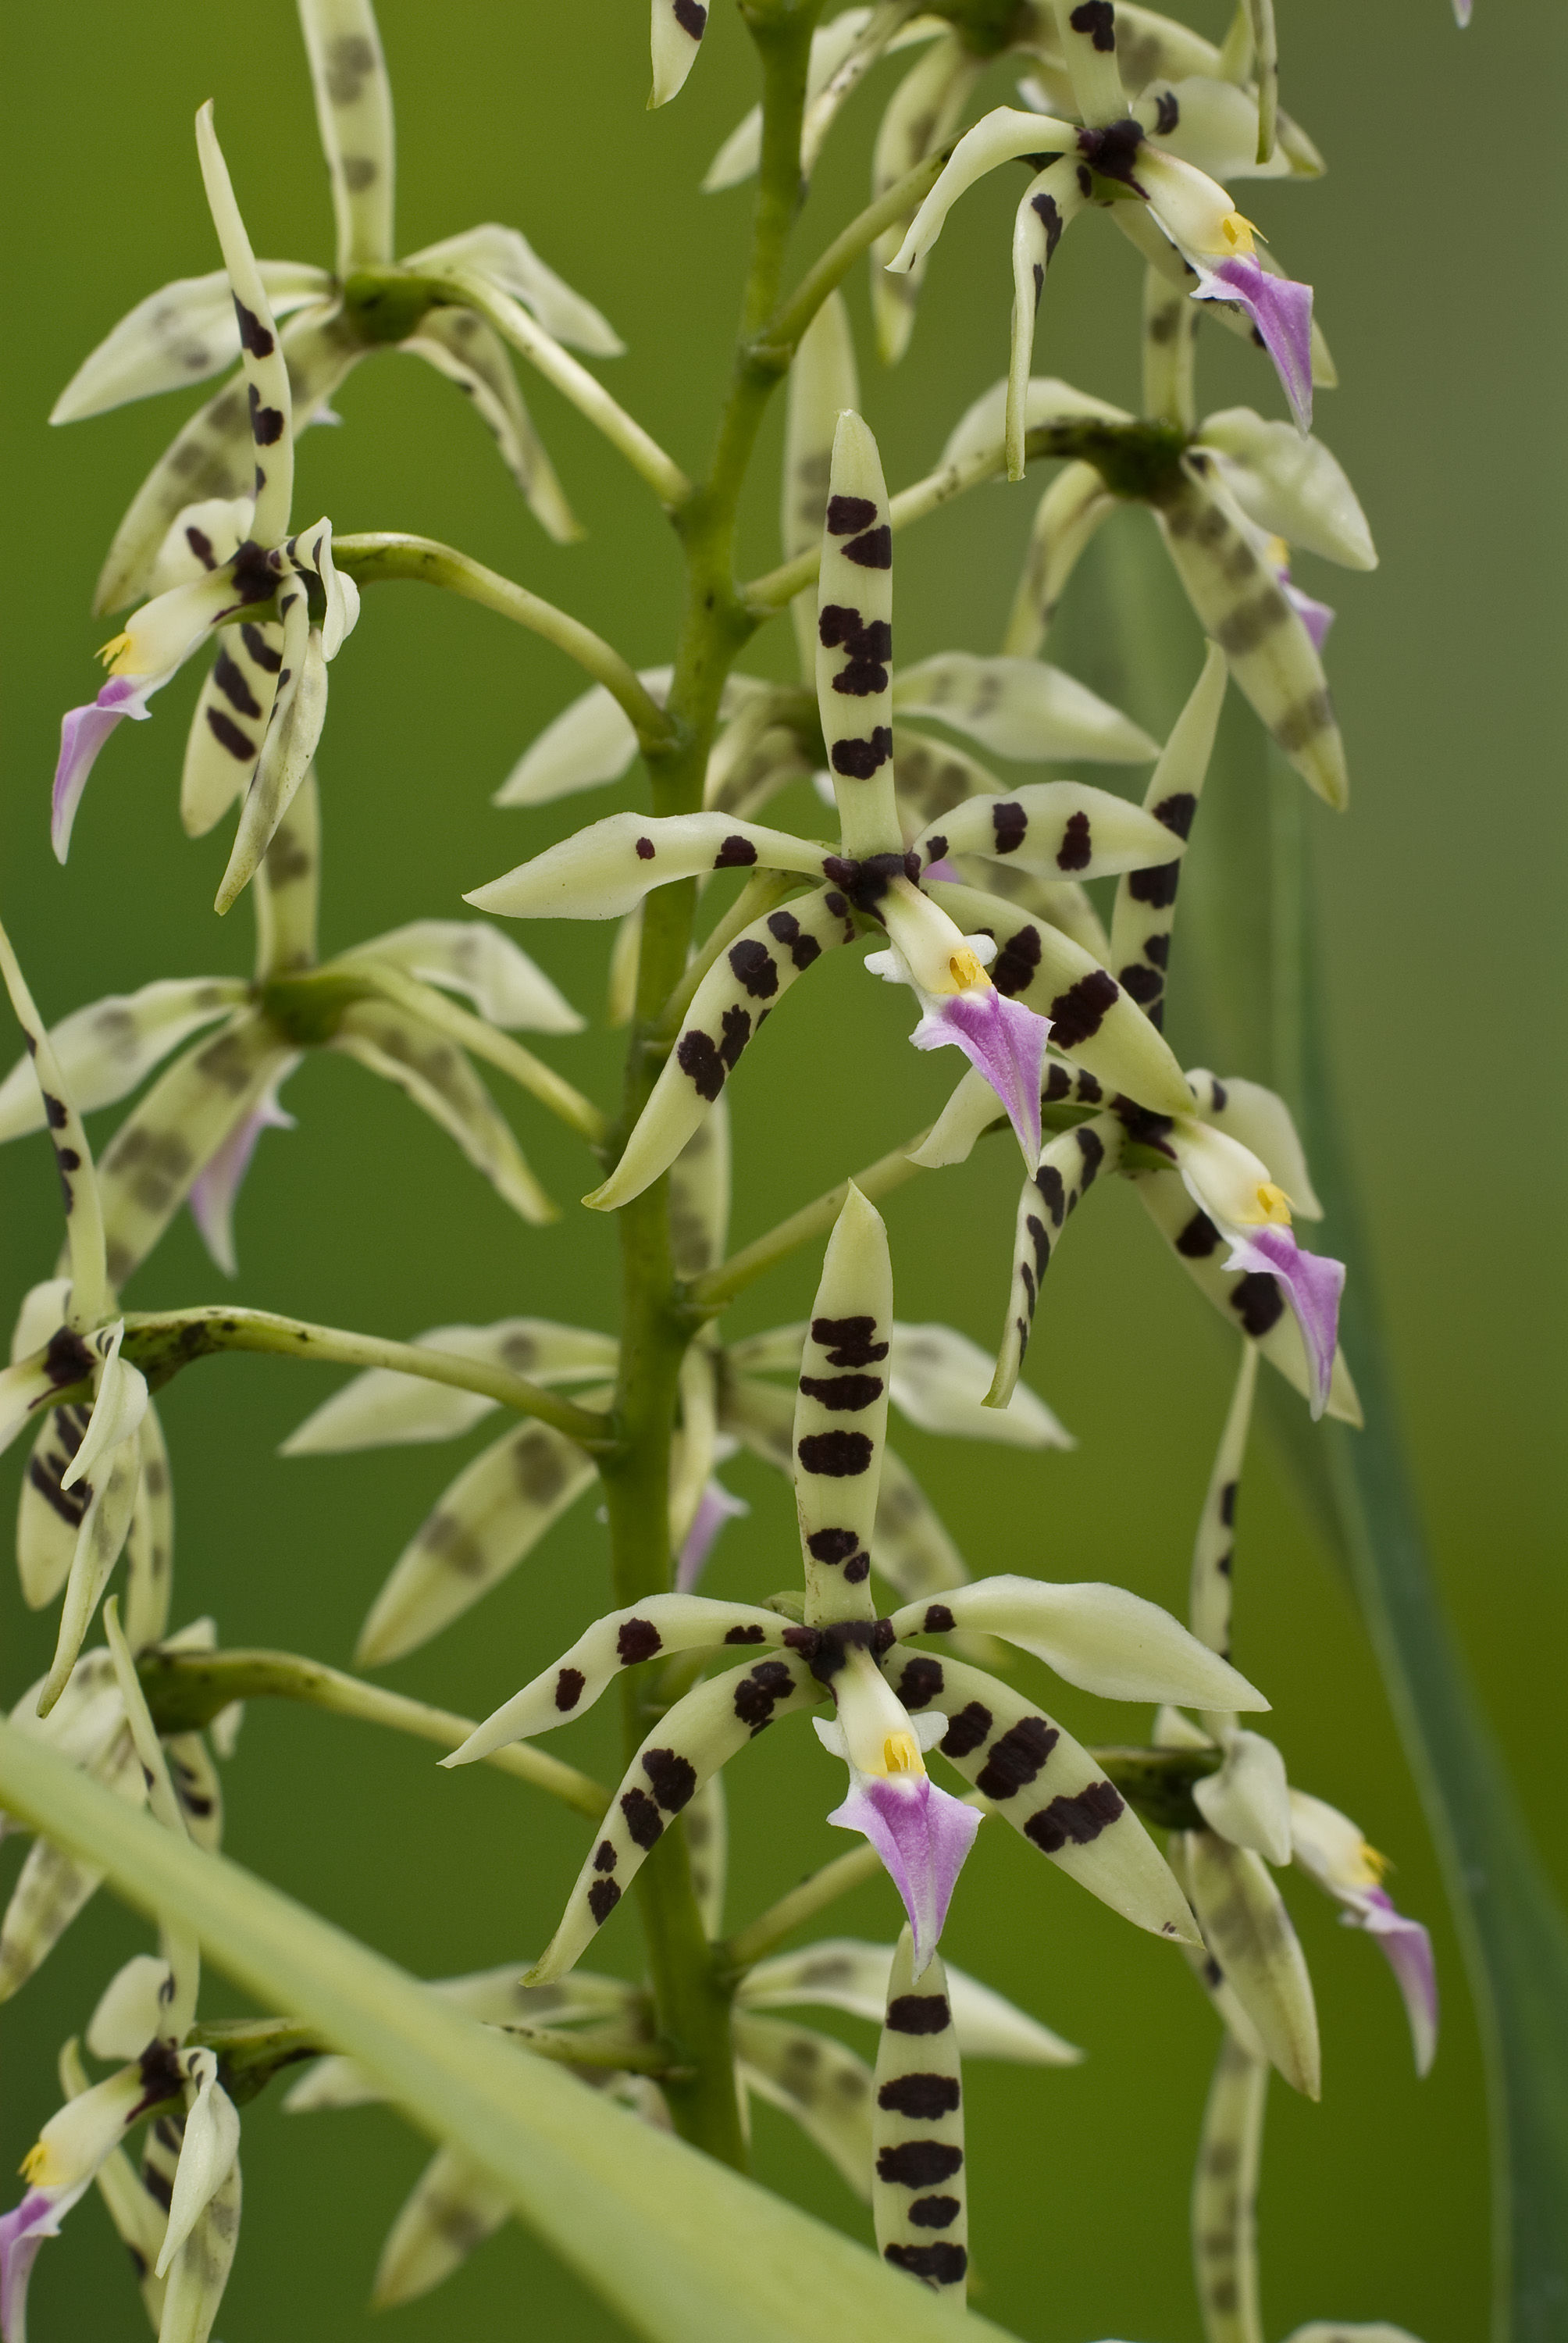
380 1409
707 1851
105 1051
741 990
592 742
823 381
148 1167
52 1886
676 34
48 1515
1250 1301
1066 519
603 871
1100 1638
212 457
1145 910
1169 329
469 957
431 1070
689 1743
910 1546
230 725
920 117
181 334
841 1414
1005 134
699 1195
354 116
1020 709
570 1685
1247 1929
150 1540
1086 30
287 889
298 709
855 641
843 1973
822 2084
266 369
919 2202
1260 1120
195 2278
1052 198
1060 830
1290 487
490 1518
1213 1548
1225 2198
465 347
1069 1165
1047 1787
1242 606
932 776
81 1192
449 2212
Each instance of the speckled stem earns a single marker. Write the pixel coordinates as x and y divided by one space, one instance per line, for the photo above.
691 1995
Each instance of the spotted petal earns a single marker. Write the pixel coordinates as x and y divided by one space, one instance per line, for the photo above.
570 1686
1018 708
689 1743
181 334
818 2082
452 2207
919 2196
469 956
919 117
602 872
493 1514
1099 1637
1047 1787
105 1051
381 1409
678 28
354 116
855 641
1145 910
744 985
508 260
466 349
1248 1931
436 1075
843 1973
1291 486
1068 1168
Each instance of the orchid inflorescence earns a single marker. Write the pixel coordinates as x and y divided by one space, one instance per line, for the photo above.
975 894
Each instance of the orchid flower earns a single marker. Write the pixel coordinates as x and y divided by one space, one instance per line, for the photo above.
144 2020
1224 124
892 1705
1332 1850
452 305
262 714
604 871
1116 157
1257 488
195 1134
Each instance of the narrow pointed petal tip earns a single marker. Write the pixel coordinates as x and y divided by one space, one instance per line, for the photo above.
1311 1285
713 1508
1006 1041
82 733
1407 1947
1282 311
922 1835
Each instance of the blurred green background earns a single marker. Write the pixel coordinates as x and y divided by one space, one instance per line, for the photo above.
1442 889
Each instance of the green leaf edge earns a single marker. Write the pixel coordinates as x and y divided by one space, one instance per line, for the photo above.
683 2249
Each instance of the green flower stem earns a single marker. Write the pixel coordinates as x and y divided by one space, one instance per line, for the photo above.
691 1998
781 337
605 2047
160 1343
484 1040
706 1296
768 1930
383 557
185 1690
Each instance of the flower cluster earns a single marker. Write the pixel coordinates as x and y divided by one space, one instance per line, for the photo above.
1033 921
